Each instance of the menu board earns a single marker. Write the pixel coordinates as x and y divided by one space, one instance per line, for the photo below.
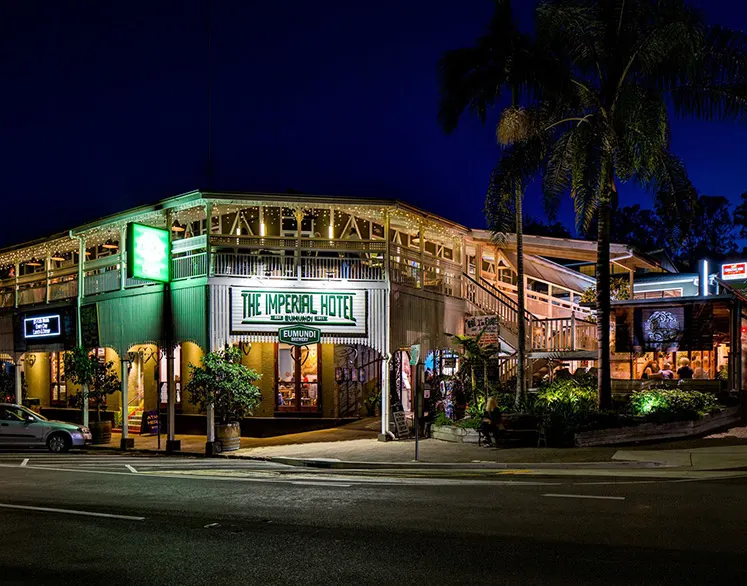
149 423
400 424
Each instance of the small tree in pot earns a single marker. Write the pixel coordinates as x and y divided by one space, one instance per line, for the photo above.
229 386
97 380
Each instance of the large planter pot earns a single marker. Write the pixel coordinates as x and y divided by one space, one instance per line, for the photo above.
101 432
228 436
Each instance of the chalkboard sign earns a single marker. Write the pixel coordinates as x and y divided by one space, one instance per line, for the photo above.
400 424
149 423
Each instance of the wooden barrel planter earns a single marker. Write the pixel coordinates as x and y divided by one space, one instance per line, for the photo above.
228 435
101 432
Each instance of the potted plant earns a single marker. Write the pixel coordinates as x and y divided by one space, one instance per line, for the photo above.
97 380
229 386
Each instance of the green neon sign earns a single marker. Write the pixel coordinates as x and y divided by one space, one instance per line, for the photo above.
148 253
299 335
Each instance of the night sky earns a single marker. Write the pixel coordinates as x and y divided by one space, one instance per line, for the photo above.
105 106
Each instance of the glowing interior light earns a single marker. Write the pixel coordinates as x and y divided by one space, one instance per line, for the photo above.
331 231
262 229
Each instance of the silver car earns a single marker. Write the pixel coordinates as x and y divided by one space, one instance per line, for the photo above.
21 428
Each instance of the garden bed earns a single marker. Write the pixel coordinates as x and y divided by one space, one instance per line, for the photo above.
646 432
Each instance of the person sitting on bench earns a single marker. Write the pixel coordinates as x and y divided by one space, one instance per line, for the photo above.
491 422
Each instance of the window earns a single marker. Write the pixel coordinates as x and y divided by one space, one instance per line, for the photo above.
297 387
658 294
58 387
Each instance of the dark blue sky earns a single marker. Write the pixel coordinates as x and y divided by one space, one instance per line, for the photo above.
104 106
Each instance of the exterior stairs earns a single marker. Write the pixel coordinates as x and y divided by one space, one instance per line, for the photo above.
572 337
134 420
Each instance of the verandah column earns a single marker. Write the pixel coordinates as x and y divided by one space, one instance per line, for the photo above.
19 380
126 441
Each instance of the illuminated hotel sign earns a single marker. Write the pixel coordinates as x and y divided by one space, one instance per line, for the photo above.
734 271
148 253
333 312
42 326
299 335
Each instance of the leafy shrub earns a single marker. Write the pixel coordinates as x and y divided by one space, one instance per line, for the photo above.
672 404
476 408
565 406
470 422
226 383
566 397
441 419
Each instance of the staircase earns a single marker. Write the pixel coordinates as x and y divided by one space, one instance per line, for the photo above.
544 335
134 419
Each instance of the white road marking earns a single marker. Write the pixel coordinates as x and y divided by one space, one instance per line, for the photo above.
312 483
209 525
586 496
130 468
71 512
25 461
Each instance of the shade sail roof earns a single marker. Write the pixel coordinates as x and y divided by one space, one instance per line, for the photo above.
545 270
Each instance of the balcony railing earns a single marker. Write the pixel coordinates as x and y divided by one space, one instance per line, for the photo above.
101 281
63 288
191 265
270 266
354 269
563 334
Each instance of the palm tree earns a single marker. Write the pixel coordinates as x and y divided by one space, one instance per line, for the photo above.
610 73
605 118
476 354
476 78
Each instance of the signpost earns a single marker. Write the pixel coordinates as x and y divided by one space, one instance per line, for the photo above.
149 258
417 389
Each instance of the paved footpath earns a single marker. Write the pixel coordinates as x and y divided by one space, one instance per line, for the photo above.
356 444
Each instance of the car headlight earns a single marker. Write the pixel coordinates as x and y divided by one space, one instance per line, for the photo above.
83 429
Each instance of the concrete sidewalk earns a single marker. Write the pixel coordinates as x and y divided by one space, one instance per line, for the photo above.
355 446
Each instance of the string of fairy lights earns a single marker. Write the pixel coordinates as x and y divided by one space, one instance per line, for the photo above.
367 218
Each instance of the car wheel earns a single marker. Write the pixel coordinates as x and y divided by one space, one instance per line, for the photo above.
58 443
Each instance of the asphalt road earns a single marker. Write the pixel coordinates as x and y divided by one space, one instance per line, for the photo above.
194 521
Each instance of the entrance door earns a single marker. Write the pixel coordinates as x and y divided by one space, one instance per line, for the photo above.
297 379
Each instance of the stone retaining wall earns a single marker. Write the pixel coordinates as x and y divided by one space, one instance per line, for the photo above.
658 431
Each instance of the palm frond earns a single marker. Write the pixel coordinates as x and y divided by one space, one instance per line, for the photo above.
516 168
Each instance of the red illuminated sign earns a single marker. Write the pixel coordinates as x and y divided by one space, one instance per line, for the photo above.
735 270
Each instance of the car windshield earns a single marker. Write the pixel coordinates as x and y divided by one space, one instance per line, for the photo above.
30 412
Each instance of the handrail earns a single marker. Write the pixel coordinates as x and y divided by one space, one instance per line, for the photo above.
499 295
100 263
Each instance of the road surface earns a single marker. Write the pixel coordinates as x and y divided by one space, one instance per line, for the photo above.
127 519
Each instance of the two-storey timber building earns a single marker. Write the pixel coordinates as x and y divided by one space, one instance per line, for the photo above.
372 276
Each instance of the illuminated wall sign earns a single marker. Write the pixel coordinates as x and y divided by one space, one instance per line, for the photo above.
148 253
734 271
299 335
332 311
42 326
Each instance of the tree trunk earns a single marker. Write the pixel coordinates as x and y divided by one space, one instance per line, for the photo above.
522 337
604 383
474 382
485 377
